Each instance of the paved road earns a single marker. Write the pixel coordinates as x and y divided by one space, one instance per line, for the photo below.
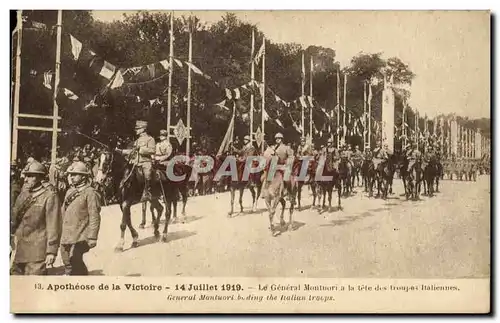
447 236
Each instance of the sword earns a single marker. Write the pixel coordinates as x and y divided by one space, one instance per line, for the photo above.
94 140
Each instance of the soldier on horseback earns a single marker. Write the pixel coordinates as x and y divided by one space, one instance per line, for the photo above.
163 149
282 151
304 149
381 155
413 155
247 150
140 155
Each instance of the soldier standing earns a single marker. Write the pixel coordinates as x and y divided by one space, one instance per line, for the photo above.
144 148
35 224
81 220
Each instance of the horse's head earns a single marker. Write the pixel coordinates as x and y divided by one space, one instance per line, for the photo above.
104 167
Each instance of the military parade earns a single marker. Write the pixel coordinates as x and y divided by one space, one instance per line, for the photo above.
69 206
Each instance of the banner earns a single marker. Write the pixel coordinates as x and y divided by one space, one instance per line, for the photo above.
454 138
388 115
478 152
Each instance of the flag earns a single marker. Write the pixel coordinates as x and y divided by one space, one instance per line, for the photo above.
117 80
303 101
229 95
47 79
107 70
237 94
76 47
70 94
261 52
178 62
165 63
228 137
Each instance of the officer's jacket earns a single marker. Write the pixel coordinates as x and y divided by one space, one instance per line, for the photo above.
145 145
36 222
283 152
163 150
81 215
305 150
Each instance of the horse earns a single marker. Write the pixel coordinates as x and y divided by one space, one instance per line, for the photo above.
128 185
345 171
311 169
330 168
254 184
414 179
278 189
357 163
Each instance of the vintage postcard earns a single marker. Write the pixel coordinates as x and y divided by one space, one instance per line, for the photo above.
250 162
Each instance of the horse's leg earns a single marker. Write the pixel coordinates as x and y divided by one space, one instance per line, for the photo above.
313 191
282 216
292 206
324 196
125 207
133 232
299 192
242 188
339 188
168 214
184 196
233 192
254 206
143 223
156 220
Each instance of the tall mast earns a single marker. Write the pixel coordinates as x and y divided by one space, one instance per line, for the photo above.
56 88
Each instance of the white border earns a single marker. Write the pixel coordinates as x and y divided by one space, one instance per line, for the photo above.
184 5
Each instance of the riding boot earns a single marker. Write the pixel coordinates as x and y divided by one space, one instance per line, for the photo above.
146 194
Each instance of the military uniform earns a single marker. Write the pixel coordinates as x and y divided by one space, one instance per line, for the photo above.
144 148
304 150
413 156
35 223
81 221
163 150
245 151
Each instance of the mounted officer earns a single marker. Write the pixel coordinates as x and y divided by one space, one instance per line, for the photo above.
380 154
413 155
163 149
304 148
140 155
282 151
247 150
81 220
35 223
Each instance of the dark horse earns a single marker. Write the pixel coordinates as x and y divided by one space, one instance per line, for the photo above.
311 171
329 168
238 183
128 185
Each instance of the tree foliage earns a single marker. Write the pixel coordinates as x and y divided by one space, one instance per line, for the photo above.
222 50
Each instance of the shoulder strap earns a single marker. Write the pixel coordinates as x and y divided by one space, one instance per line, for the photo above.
70 198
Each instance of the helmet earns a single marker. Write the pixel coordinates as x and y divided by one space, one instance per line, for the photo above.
78 168
139 124
164 133
279 135
330 141
35 168
247 137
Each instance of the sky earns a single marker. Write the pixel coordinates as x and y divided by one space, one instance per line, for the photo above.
449 51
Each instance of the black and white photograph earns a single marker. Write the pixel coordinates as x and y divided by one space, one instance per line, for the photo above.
259 144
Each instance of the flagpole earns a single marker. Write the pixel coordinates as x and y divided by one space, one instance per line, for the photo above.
190 59
303 81
311 94
338 107
56 88
417 129
364 115
170 71
17 85
263 91
253 82
369 115
403 124
344 129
